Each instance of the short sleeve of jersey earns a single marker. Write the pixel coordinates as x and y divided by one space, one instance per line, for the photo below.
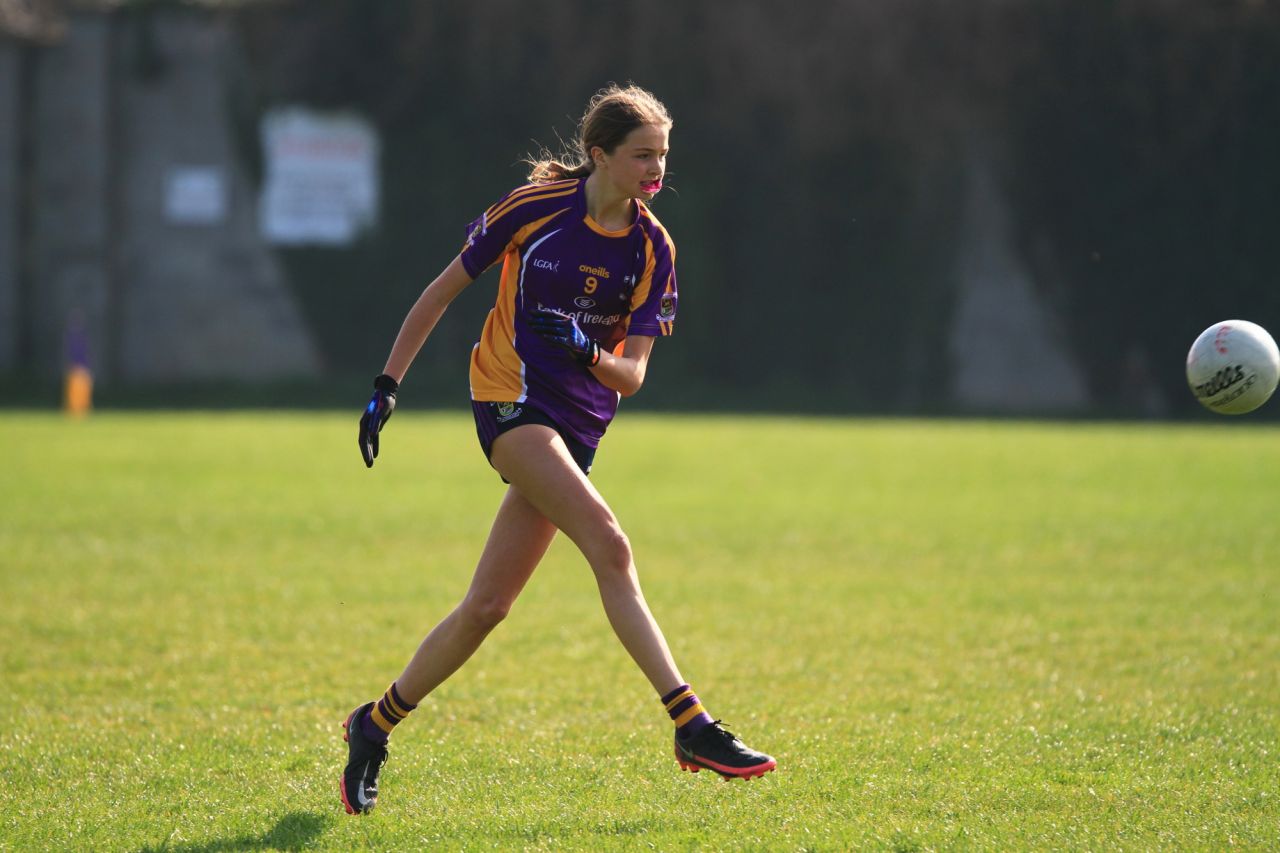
654 303
490 234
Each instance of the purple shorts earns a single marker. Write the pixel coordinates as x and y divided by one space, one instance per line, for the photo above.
493 419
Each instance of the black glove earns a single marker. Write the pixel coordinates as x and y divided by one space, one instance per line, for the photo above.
377 413
562 330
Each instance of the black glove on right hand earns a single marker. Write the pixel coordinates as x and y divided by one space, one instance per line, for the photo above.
377 413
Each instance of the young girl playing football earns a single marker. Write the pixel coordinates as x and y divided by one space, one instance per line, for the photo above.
587 283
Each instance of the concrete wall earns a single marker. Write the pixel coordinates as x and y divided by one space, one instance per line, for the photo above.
69 192
1007 355
162 299
198 300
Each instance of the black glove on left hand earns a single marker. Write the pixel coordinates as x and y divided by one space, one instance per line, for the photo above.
562 330
377 413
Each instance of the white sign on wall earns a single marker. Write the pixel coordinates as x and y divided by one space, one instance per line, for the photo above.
321 183
195 195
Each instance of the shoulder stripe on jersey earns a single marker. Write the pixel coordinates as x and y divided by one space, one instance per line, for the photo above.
666 236
526 191
507 208
641 293
530 187
509 199
518 237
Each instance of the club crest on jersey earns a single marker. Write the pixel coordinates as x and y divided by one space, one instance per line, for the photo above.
667 308
507 411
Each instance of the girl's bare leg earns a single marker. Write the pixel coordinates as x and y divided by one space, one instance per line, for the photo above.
518 539
538 464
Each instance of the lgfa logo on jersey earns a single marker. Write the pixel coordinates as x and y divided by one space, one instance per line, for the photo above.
540 263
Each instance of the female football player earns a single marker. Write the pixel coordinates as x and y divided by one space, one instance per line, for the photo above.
587 283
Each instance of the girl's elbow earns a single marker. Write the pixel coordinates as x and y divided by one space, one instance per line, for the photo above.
631 386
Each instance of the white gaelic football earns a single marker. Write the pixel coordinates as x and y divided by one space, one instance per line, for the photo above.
1233 367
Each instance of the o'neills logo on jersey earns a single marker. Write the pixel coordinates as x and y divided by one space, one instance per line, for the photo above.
600 271
540 263
666 308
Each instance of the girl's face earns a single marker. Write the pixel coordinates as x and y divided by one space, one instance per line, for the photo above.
637 165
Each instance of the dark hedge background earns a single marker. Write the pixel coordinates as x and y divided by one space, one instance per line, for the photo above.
817 172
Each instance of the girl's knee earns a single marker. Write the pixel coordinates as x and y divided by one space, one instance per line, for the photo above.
611 555
484 612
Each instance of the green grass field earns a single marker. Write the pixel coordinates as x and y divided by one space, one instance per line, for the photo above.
953 635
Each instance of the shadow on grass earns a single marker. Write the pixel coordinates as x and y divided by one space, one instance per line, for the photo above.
294 831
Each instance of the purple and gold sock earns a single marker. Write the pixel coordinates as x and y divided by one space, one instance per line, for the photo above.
385 715
686 711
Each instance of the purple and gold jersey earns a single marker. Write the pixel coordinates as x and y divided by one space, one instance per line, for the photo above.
616 283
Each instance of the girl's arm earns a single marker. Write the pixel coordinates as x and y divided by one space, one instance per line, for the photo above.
625 373
423 316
